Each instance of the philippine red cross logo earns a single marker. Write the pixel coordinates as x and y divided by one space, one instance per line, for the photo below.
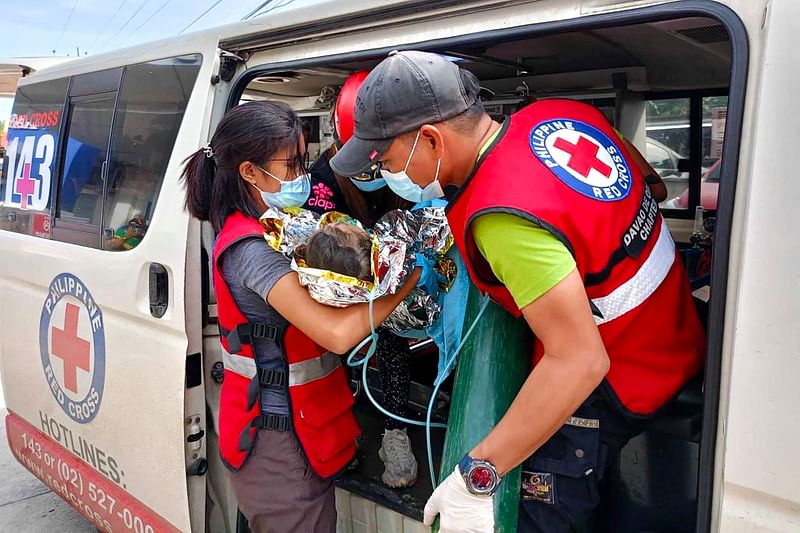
582 157
72 346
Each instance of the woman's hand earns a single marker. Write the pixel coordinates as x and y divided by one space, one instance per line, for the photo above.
334 328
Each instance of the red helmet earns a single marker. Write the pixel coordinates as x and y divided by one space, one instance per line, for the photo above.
344 111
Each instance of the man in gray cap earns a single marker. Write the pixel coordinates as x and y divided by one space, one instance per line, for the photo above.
556 226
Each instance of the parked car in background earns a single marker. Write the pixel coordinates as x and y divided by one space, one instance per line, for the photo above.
709 188
664 160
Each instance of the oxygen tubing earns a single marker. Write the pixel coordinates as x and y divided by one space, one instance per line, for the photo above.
364 363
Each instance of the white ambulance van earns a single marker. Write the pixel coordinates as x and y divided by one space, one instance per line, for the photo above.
109 351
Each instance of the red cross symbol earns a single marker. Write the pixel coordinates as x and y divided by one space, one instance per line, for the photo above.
25 185
70 348
583 156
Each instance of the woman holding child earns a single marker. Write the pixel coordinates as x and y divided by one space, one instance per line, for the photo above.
285 423
367 201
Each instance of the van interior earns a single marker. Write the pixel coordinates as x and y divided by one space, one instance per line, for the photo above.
664 85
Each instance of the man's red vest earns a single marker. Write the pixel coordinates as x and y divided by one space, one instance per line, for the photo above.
560 164
315 380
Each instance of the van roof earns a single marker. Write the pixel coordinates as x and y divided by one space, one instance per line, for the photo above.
325 12
300 20
286 21
292 14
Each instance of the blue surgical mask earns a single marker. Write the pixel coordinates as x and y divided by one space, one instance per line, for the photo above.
292 193
404 187
369 186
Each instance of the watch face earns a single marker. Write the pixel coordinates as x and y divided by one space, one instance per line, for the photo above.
482 478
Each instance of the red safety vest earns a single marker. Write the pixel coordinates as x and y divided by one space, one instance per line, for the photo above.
320 398
560 164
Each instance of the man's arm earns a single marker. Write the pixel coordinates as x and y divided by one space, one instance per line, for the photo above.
574 364
541 275
539 272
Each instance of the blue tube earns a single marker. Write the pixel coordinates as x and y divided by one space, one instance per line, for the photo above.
364 363
450 360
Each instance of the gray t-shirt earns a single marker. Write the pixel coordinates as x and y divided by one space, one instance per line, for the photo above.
251 268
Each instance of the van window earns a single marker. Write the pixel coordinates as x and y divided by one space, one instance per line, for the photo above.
152 101
80 199
30 161
667 126
686 163
105 175
84 154
715 111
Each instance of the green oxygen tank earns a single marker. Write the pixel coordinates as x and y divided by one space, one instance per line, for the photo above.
492 367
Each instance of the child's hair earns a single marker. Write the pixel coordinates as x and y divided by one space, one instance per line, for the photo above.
341 248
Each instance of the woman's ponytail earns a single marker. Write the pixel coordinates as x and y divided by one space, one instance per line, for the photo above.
198 175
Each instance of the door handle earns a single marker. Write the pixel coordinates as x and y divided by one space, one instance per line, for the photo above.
159 290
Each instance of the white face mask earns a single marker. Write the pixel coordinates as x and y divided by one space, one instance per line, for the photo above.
404 187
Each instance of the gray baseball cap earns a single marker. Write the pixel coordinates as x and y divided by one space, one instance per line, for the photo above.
405 91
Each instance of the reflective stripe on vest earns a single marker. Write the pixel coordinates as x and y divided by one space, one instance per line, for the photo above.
647 279
239 364
313 369
299 373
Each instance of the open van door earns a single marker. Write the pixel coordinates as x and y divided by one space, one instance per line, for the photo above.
100 365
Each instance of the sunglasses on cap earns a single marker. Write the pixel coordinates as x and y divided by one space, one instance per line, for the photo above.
373 173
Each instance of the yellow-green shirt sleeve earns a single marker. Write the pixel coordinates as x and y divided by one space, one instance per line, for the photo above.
526 258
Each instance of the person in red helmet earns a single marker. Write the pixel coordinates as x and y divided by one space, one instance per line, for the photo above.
343 111
367 201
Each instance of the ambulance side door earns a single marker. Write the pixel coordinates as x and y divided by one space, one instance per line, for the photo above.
104 394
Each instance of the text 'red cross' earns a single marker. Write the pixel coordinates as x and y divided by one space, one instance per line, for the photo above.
25 185
583 156
70 348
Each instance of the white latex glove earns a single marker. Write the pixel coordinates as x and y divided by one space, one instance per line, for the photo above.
460 511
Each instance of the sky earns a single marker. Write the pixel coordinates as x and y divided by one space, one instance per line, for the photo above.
64 27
